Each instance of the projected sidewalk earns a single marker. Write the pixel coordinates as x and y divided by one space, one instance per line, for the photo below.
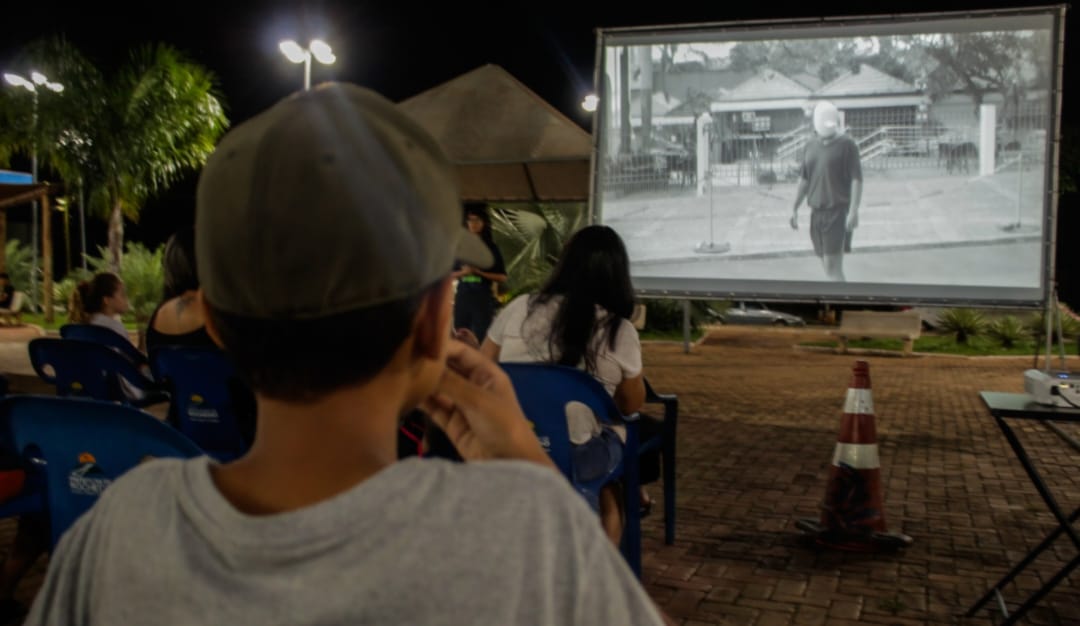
913 228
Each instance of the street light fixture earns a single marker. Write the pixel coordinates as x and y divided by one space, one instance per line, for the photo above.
590 102
37 79
318 49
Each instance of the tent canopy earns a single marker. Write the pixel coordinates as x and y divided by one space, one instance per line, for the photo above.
508 143
19 188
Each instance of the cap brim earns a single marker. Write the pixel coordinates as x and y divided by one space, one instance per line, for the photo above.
471 249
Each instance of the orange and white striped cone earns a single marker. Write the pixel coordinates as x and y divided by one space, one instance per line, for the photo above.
852 517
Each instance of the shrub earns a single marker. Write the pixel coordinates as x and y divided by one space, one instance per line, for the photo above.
1007 331
667 315
1036 325
964 323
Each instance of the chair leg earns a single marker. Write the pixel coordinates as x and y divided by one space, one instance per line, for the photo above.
631 539
668 462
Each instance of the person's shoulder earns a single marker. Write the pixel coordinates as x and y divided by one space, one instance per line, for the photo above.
521 302
139 495
516 484
152 476
506 472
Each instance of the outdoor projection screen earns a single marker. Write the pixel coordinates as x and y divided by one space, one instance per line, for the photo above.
704 132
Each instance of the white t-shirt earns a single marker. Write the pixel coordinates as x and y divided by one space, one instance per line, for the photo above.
523 338
113 324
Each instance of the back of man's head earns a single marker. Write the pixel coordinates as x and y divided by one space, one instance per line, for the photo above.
320 225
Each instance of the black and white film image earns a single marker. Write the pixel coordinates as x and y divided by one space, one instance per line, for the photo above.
917 159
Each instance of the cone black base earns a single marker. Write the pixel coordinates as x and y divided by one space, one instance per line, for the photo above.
869 542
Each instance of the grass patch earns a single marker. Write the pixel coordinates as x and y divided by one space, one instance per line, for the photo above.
670 335
946 344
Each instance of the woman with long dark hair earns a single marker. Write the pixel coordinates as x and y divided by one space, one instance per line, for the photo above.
474 301
178 320
581 318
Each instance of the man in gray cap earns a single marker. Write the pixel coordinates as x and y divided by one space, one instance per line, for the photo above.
326 231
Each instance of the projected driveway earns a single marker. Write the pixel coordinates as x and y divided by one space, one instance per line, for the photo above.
915 228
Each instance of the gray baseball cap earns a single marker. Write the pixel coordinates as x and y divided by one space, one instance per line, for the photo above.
331 200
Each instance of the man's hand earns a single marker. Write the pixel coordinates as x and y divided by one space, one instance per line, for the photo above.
852 221
794 221
476 407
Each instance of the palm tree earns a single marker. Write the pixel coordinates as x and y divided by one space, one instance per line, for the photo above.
125 136
531 237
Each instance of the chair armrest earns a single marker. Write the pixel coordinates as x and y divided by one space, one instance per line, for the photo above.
669 400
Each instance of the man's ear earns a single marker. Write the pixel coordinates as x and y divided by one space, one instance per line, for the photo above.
432 323
208 320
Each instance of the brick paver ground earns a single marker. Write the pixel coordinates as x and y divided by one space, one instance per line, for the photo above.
758 421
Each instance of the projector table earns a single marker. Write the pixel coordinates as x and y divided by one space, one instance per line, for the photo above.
1004 406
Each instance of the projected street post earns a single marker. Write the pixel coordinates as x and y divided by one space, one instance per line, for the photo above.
932 179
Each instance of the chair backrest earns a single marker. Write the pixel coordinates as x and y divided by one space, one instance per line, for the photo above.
85 445
544 390
104 336
201 383
85 368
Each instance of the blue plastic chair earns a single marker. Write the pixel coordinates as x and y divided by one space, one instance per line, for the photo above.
543 391
665 443
104 336
31 499
83 445
200 383
91 370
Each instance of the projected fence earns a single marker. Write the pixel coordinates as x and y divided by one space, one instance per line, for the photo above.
706 133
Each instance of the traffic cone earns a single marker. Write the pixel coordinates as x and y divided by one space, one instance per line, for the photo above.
852 516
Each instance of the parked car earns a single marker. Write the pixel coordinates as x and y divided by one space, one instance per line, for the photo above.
758 313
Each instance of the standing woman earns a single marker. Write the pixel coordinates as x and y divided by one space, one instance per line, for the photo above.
474 303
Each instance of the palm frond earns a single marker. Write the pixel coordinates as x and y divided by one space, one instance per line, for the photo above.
531 238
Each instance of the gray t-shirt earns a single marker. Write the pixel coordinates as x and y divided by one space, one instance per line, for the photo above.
829 169
421 542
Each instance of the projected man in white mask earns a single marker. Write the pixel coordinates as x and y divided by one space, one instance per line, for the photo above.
831 183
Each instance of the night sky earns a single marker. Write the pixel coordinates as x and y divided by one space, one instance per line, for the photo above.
397 48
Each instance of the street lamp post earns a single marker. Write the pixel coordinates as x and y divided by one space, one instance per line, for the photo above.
37 79
317 48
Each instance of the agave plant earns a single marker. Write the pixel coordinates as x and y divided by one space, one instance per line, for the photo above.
531 237
1036 325
964 322
1007 330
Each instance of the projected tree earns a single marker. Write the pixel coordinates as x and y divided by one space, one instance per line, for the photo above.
1008 63
824 58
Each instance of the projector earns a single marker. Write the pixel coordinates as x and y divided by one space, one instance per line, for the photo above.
1056 387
